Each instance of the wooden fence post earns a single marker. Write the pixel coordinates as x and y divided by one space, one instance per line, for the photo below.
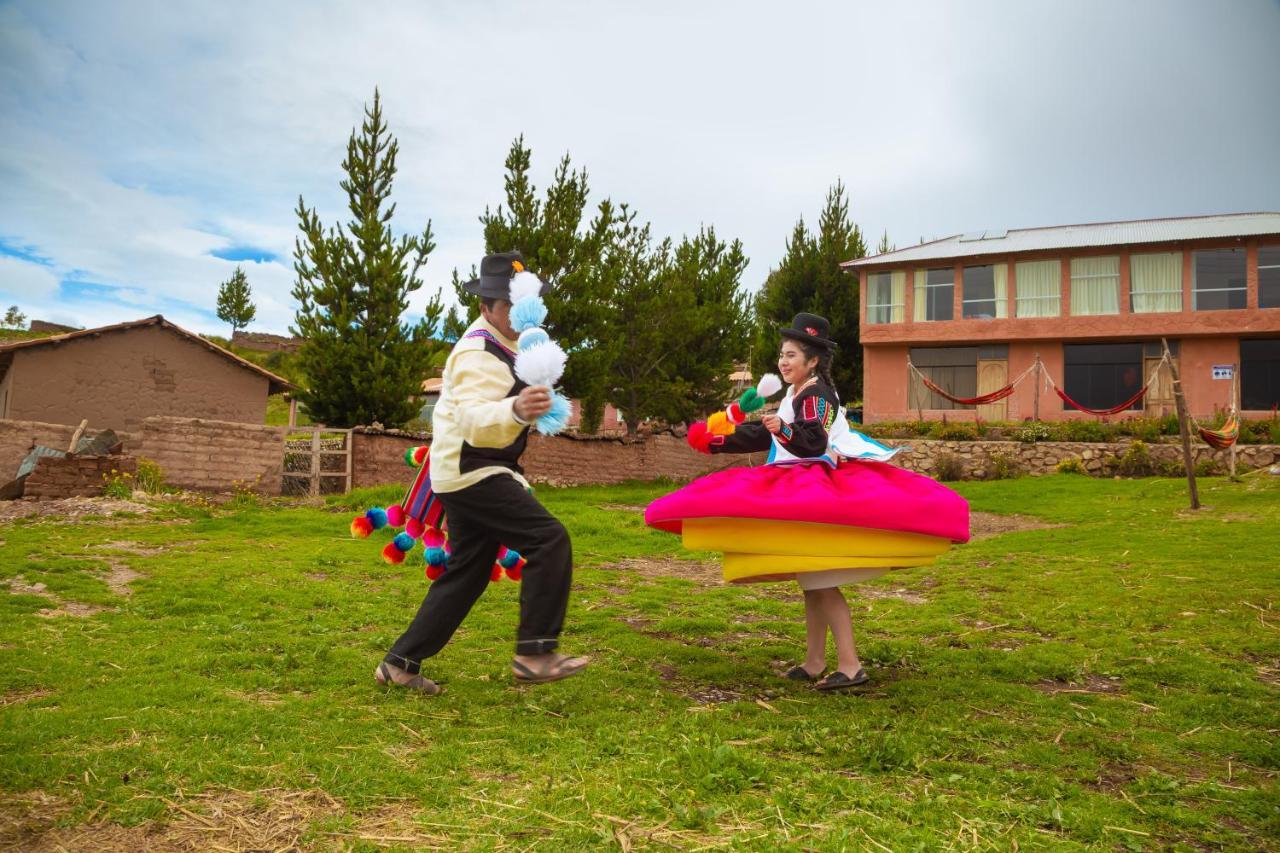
1183 426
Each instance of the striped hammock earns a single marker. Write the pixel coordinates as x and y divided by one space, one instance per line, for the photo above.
1224 437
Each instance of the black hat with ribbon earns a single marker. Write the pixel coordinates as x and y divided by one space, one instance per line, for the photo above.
810 329
495 276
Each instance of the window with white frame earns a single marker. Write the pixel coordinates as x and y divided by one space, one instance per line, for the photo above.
1269 276
1039 288
934 294
1095 285
1155 282
984 291
886 297
1218 279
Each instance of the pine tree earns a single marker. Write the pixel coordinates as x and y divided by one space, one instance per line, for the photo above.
557 245
884 247
809 279
235 301
361 362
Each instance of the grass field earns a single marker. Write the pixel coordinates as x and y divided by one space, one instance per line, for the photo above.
1105 679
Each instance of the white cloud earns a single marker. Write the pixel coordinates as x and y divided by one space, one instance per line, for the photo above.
141 137
24 280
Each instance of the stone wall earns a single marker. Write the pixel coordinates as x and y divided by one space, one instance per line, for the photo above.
75 476
18 437
213 455
978 458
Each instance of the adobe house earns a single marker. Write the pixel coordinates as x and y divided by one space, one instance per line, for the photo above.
116 376
973 312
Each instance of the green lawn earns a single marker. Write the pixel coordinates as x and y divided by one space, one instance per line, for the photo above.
1110 682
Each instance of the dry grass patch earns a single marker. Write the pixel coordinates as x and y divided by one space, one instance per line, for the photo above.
70 509
19 586
18 697
1095 684
701 572
984 525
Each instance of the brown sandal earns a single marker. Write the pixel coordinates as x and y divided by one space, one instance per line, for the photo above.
562 667
423 685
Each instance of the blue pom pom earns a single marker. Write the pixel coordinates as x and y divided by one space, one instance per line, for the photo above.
404 542
377 517
533 337
527 313
436 556
558 418
510 559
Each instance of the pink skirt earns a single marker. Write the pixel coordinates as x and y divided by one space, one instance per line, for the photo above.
855 494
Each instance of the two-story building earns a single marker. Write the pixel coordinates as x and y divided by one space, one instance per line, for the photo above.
973 312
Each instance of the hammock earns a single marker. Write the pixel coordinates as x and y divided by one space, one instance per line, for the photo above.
1221 438
981 400
1114 410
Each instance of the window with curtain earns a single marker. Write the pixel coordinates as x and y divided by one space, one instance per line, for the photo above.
886 297
1260 373
1269 277
1217 279
934 292
1039 289
1155 282
1102 375
984 291
1095 286
952 368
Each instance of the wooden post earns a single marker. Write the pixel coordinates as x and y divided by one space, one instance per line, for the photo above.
351 438
75 437
315 463
1035 396
911 384
293 412
1183 426
1231 458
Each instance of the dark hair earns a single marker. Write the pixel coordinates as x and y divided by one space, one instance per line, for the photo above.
823 355
490 301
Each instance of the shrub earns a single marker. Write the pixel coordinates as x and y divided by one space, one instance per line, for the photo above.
1001 466
150 478
1088 431
944 431
1208 468
1033 432
117 484
950 467
1074 465
1135 462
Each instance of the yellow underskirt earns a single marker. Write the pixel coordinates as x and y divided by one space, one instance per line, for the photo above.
756 549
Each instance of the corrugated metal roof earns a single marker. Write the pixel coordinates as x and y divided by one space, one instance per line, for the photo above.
997 241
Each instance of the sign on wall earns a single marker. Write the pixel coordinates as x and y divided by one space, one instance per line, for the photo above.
1224 371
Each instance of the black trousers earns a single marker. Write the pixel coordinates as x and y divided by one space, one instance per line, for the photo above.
496 511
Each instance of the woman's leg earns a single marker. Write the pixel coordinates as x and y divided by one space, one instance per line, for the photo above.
836 613
815 621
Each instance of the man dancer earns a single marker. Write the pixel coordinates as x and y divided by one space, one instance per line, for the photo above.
479 430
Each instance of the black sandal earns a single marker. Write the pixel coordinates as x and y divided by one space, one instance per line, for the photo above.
839 681
423 685
559 669
799 673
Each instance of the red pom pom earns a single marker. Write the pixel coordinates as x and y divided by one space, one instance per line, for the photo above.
699 437
392 554
432 537
434 572
395 515
414 528
516 572
420 454
495 574
361 527
734 411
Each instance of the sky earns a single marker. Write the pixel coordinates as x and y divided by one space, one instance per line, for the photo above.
148 148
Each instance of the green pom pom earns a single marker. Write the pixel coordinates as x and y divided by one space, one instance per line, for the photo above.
750 401
408 458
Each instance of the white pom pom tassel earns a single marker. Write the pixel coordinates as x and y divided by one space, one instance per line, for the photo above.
542 364
523 285
769 385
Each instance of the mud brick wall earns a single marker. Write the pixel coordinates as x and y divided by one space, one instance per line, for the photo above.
18 437
377 456
213 455
74 477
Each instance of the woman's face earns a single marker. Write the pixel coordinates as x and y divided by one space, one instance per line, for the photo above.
792 364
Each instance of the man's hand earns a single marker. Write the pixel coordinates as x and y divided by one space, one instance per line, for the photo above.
533 402
772 423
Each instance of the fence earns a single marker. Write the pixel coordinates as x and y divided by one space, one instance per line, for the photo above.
318 463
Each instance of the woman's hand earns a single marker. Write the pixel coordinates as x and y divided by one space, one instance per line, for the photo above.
772 423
